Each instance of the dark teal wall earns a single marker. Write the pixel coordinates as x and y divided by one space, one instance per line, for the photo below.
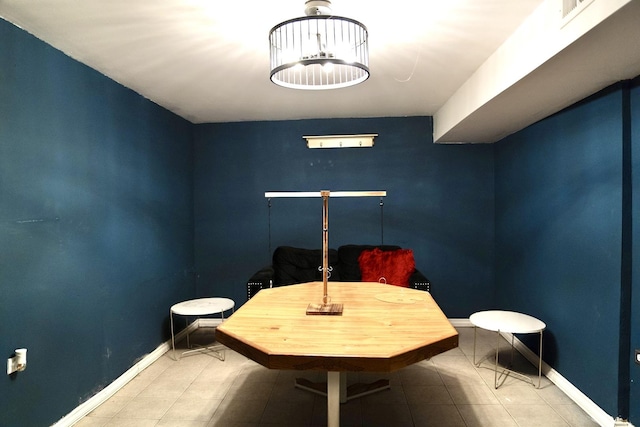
96 227
439 203
559 237
97 218
635 270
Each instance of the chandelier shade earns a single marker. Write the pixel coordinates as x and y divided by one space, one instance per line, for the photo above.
319 52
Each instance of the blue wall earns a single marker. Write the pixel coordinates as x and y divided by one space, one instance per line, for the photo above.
101 191
635 271
560 233
96 227
439 201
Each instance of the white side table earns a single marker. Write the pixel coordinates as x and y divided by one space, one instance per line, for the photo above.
510 322
200 307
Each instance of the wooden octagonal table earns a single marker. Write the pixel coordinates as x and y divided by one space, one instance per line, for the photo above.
382 328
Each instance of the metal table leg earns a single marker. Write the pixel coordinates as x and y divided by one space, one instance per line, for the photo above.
333 398
540 361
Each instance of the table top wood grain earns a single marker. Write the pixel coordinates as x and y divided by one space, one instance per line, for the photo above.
382 328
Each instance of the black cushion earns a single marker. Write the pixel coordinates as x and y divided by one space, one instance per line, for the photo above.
298 265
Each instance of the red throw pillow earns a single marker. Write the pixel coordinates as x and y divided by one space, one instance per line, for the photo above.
392 267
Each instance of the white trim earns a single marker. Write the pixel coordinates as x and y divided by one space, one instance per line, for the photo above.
105 394
209 322
461 323
587 405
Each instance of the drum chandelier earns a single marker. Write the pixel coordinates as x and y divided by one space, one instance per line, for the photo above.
319 51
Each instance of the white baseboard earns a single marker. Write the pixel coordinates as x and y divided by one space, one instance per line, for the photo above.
209 322
461 323
105 394
587 405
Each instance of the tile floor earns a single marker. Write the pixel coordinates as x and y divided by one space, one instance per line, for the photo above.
447 390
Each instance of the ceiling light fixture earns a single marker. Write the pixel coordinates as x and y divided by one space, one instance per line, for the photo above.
319 51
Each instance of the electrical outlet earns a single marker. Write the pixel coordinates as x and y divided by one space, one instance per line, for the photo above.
17 362
11 366
637 356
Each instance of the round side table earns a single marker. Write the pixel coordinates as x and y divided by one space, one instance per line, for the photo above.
196 308
511 322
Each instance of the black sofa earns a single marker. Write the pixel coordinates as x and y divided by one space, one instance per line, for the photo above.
292 265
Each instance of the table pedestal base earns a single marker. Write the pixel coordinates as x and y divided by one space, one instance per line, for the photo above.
337 392
353 391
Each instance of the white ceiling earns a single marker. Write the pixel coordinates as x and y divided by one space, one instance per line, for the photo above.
208 60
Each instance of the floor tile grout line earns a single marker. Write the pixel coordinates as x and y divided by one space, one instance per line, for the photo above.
464 350
183 391
446 387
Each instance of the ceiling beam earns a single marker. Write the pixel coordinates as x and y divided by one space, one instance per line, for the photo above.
547 64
